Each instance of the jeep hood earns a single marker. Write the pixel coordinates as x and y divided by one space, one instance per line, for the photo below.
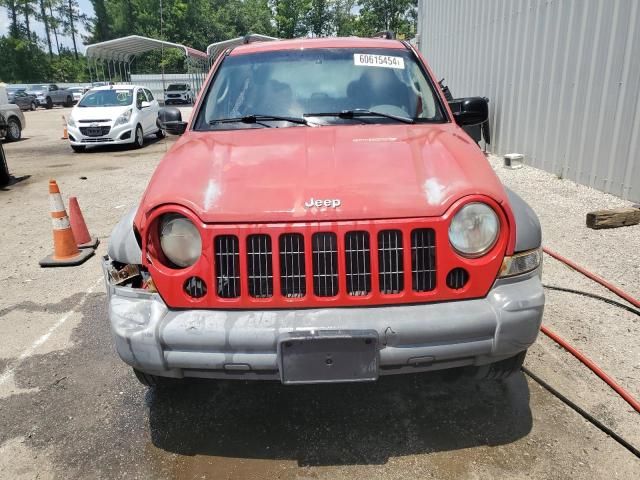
268 174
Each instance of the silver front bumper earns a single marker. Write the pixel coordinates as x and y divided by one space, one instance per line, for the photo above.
244 343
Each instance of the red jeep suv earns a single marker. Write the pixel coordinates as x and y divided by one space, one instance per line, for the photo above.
324 218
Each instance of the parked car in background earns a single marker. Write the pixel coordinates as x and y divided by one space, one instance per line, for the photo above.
324 218
114 114
77 93
15 122
22 99
178 93
50 94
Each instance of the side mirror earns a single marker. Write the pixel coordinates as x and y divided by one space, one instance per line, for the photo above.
470 110
170 120
145 105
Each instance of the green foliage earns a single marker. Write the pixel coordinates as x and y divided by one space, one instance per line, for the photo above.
26 62
196 23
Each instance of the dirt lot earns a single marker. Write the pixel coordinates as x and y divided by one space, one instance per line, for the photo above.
69 408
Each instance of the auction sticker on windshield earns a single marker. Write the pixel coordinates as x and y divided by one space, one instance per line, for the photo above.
374 60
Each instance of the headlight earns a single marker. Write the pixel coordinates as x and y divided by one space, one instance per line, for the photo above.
71 122
180 240
521 263
124 118
474 230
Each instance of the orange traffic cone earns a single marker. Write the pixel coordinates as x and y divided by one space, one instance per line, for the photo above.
65 250
65 133
79 227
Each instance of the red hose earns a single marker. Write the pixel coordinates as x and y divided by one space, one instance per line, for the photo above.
575 352
593 367
594 277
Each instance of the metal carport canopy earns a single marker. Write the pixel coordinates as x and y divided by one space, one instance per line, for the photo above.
126 48
216 49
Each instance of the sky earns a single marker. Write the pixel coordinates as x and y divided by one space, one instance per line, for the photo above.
85 7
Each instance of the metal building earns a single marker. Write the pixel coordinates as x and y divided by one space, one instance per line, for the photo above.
562 76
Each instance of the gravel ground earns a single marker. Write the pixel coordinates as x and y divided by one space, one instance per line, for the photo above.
606 334
69 408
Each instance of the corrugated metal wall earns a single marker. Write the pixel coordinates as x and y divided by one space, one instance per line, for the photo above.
562 76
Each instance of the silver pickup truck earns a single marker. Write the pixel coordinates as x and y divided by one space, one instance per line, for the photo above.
49 94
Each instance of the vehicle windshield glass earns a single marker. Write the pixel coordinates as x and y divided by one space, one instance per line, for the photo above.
107 98
38 88
298 83
176 87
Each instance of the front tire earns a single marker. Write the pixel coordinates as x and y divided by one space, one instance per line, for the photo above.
49 104
149 380
68 102
160 134
14 130
503 369
138 140
34 107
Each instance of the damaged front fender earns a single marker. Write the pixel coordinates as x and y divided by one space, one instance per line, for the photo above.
123 245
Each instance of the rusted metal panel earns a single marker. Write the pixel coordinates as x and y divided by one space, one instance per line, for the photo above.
561 76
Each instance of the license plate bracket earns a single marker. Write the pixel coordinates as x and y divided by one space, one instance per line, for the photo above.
328 356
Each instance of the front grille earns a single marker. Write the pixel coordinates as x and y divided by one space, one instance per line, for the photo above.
325 264
259 268
95 131
95 121
293 281
296 265
227 252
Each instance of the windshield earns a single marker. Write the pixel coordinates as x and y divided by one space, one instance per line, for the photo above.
107 98
299 83
39 88
176 87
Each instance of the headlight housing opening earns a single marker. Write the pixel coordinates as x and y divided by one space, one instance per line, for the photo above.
474 230
180 240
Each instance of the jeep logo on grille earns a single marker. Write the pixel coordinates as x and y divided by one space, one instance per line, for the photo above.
318 203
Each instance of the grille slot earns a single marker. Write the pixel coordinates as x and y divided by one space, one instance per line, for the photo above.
390 261
292 266
358 263
259 266
325 264
423 259
457 278
227 266
195 287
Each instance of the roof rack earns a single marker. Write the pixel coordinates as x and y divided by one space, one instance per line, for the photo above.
386 34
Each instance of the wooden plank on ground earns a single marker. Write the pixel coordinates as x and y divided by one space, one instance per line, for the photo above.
618 217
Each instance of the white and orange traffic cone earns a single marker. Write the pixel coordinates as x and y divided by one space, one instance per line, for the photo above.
65 133
79 227
65 250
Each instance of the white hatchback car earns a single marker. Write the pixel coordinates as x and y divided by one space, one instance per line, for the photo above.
113 115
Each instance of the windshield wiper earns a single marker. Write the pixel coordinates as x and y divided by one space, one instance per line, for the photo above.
259 119
361 112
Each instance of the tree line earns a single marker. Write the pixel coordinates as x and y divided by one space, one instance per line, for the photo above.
29 57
